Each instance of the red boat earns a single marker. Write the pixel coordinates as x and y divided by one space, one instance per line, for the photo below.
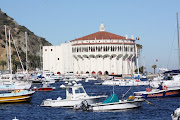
45 87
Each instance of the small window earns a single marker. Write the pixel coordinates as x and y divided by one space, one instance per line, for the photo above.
51 49
45 49
81 90
76 91
70 90
58 58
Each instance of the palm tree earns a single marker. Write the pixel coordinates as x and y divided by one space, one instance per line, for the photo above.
139 46
154 67
3 63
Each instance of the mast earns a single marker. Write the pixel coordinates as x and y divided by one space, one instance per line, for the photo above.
40 58
137 59
178 39
26 53
7 52
10 53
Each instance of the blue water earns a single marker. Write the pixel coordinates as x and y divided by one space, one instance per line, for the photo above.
160 109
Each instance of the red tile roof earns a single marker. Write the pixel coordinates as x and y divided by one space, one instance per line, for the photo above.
101 43
101 35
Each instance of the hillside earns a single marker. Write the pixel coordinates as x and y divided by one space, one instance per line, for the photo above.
18 33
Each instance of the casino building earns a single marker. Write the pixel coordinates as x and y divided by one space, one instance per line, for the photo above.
98 53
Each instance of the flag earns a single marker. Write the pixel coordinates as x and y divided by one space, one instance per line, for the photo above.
137 38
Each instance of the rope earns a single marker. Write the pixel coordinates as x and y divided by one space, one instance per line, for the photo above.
171 50
158 106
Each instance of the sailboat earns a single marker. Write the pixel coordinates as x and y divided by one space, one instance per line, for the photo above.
16 95
8 81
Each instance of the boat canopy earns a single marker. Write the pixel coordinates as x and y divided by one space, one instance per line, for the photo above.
113 98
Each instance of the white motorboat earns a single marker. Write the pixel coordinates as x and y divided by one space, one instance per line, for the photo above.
90 78
121 82
176 114
169 82
74 95
113 103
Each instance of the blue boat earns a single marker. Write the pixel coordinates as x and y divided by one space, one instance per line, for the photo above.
159 93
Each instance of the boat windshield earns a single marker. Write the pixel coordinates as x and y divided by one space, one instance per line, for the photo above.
80 90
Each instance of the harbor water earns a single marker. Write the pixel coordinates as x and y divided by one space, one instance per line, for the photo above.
152 109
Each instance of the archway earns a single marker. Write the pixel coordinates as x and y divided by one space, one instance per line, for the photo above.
87 72
106 73
93 72
58 73
81 72
100 73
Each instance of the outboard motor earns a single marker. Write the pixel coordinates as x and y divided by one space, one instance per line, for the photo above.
83 106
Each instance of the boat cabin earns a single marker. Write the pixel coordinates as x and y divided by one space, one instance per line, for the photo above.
75 91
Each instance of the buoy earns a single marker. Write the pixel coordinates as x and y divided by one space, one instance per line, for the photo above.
62 86
74 82
69 83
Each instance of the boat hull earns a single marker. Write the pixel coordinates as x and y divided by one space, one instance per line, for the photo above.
43 89
116 106
159 94
67 103
15 97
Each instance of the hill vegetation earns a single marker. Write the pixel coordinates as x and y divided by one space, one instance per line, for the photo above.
18 33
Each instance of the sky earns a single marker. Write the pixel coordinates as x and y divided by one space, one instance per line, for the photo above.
153 21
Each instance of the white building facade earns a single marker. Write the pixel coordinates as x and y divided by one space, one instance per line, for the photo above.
98 53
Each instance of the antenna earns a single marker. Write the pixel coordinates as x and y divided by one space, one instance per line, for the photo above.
178 39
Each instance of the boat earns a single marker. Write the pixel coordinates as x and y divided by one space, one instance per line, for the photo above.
176 114
15 119
123 82
90 78
169 81
75 94
160 92
8 82
113 103
45 87
16 96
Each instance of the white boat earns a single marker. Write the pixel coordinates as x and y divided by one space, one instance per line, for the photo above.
74 95
90 78
15 119
169 82
176 114
113 103
122 82
9 83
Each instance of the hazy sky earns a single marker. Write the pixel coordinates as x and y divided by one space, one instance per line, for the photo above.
153 21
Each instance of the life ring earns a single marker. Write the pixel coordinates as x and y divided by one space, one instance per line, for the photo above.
165 87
